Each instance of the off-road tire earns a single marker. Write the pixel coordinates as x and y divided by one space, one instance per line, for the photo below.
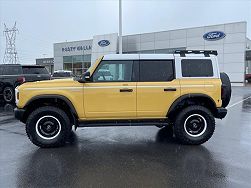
183 136
48 111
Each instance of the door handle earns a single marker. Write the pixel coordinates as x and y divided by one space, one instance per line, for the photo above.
170 89
126 90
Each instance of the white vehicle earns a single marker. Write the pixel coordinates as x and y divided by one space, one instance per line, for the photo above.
59 74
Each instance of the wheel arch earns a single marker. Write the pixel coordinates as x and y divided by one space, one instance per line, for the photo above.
192 99
58 100
7 84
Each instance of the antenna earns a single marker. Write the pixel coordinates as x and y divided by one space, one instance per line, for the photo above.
10 55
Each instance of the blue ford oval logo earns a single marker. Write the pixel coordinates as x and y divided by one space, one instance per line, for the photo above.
214 35
103 43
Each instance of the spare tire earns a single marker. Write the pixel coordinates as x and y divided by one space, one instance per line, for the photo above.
226 90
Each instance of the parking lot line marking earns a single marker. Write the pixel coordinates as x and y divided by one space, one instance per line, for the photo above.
238 102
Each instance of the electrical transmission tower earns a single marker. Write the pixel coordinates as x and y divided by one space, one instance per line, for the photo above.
10 55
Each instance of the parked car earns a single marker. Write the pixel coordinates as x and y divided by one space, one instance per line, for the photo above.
59 74
183 91
248 77
13 75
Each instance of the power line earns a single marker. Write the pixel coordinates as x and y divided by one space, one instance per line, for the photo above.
10 55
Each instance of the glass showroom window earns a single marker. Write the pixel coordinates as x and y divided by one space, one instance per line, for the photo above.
78 64
67 63
86 66
68 66
77 68
86 62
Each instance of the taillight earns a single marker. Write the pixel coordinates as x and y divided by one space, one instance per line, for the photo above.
21 79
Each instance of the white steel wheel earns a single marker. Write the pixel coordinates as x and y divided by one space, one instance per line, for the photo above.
195 125
48 127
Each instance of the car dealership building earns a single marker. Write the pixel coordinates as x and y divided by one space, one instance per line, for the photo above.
230 40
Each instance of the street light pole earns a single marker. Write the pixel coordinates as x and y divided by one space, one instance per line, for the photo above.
120 26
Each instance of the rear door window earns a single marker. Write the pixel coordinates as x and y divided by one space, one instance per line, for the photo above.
156 70
11 70
35 70
197 68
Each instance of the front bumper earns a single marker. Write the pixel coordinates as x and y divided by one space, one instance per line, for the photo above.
220 113
19 114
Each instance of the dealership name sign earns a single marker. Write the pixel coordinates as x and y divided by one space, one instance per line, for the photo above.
214 35
76 48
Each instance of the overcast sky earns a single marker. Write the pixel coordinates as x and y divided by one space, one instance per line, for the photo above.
44 22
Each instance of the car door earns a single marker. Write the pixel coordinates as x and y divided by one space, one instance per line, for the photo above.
111 94
157 87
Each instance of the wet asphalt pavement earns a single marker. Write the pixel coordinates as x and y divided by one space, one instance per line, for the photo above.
131 156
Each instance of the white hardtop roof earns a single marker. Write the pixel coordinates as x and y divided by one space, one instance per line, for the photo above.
62 71
148 56
137 56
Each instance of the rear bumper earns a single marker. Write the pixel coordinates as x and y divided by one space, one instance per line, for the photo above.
19 114
220 113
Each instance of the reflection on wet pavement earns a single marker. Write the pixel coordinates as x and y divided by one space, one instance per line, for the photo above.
246 105
146 164
7 109
6 112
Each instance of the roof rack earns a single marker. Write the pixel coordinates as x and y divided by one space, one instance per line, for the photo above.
205 52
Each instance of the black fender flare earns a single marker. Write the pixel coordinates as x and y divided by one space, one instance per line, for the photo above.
54 96
190 96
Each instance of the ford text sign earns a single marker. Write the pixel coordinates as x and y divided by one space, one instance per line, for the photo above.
214 35
103 43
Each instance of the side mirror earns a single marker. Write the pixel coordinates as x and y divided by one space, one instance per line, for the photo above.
85 78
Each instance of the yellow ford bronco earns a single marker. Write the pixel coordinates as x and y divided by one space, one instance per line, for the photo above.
184 91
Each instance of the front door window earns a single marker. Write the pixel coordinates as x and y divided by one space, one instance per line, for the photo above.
113 71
